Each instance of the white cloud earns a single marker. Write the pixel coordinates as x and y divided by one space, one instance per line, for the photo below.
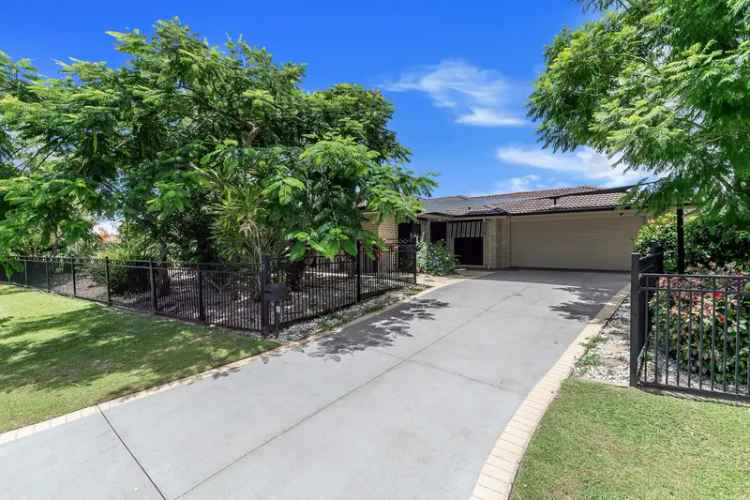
517 184
487 117
530 182
585 162
476 96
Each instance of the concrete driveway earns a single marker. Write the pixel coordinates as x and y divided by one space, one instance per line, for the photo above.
405 405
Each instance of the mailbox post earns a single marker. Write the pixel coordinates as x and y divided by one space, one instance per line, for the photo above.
273 295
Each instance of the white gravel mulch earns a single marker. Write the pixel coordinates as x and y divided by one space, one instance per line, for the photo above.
608 357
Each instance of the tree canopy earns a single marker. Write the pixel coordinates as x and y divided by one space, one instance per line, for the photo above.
201 152
664 87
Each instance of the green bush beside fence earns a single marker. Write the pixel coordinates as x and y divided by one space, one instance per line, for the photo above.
435 258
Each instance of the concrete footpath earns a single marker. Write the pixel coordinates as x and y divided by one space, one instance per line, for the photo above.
407 404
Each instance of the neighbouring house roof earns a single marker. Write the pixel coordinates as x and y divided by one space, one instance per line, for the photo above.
570 199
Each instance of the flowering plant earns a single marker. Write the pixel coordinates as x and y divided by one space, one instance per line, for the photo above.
703 322
435 258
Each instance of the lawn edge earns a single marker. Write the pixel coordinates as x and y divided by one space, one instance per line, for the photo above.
21 432
495 481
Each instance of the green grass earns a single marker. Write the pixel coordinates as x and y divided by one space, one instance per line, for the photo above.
602 442
590 358
58 355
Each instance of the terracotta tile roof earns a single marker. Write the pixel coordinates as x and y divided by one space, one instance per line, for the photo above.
527 202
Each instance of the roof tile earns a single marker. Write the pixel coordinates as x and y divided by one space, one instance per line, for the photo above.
527 202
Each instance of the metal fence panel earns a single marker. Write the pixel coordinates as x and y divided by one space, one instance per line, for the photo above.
222 294
691 333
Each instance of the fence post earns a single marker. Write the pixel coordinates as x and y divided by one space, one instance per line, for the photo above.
358 270
73 272
26 272
106 277
265 317
152 282
636 338
201 302
413 248
680 241
46 272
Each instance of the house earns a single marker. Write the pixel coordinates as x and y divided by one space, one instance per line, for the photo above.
582 227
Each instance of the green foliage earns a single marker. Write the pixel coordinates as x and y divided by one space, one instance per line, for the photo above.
717 345
122 279
662 86
205 152
435 258
709 242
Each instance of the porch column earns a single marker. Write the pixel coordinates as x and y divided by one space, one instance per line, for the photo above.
504 259
489 237
424 229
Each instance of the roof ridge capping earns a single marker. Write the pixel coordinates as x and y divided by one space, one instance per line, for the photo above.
545 201
539 193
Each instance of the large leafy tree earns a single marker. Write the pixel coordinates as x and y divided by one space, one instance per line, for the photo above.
664 85
202 152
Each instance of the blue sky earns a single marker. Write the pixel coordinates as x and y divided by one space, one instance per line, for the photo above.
457 73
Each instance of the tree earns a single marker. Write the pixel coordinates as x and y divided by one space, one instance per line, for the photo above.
662 85
202 152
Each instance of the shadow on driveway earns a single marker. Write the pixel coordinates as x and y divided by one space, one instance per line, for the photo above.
380 331
587 291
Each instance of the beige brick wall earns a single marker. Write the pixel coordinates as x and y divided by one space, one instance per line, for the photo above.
503 242
497 243
386 230
489 228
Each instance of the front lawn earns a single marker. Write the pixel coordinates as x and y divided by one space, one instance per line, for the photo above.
604 442
58 355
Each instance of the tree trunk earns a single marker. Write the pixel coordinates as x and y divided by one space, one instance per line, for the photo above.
162 279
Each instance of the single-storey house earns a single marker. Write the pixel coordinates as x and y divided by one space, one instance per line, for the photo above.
580 227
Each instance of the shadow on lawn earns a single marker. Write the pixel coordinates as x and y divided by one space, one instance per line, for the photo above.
11 290
80 347
380 331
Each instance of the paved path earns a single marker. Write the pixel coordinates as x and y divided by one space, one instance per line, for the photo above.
405 405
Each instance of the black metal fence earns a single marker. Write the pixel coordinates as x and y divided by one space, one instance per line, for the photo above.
233 296
689 332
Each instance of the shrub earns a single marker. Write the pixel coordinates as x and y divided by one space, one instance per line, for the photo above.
123 279
709 242
435 258
719 340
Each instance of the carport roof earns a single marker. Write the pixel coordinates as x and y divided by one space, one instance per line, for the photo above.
580 198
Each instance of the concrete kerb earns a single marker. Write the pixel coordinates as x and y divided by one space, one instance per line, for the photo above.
496 477
28 430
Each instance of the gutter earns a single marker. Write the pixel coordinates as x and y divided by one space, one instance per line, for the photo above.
474 215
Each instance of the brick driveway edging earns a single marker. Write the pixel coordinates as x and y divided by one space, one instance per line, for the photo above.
496 478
